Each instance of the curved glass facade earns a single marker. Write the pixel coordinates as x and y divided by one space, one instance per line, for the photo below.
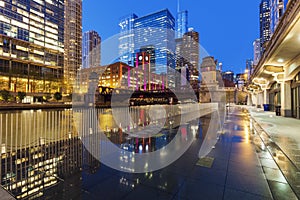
126 39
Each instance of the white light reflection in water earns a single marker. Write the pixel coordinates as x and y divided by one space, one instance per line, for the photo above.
159 117
102 148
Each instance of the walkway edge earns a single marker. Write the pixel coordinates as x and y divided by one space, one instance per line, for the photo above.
277 146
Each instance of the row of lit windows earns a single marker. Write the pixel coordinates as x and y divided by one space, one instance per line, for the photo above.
48 59
36 39
11 14
25 69
51 31
22 15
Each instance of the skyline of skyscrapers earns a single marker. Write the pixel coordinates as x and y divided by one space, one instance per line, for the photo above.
153 33
54 64
91 49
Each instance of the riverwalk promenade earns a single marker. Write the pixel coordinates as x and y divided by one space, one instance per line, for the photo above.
232 170
281 136
255 157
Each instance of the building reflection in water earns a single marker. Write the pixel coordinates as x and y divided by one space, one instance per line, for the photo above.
42 149
38 149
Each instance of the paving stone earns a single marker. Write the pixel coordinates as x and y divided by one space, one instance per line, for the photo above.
205 162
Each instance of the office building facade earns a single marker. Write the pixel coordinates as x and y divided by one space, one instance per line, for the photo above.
182 23
277 9
190 53
156 30
228 75
181 29
178 49
122 76
256 51
264 21
91 49
40 45
249 67
150 49
187 56
126 39
31 46
240 80
73 43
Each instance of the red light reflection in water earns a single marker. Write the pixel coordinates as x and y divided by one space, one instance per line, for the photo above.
183 133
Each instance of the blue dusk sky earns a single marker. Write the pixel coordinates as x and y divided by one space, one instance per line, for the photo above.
227 28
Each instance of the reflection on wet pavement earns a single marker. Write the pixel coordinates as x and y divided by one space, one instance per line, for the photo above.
247 164
283 131
282 175
236 172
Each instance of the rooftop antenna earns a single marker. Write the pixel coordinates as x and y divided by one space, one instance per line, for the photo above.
178 6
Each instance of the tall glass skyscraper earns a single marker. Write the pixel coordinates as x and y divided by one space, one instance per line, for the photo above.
40 45
191 54
264 21
31 45
91 49
126 39
277 9
256 51
73 42
156 30
182 23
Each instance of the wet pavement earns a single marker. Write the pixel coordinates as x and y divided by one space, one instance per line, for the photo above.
281 141
284 132
240 170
